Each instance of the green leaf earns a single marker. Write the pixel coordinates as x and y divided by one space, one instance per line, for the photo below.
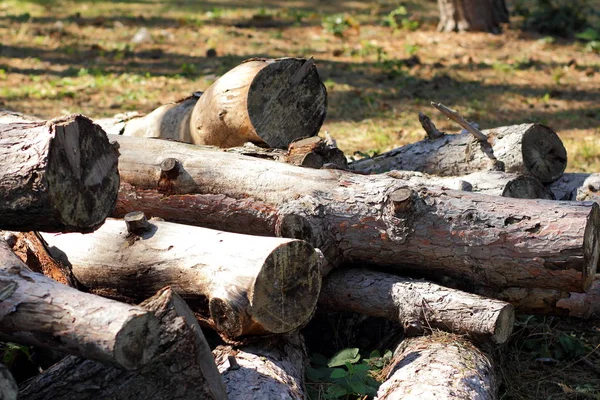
338 373
358 387
336 391
317 374
388 355
589 34
344 356
375 354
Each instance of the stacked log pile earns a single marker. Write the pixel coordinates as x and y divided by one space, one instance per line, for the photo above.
250 242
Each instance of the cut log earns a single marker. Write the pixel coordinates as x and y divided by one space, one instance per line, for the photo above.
577 186
524 149
38 311
184 368
271 368
494 241
492 183
418 305
472 15
252 285
440 366
8 386
261 101
57 176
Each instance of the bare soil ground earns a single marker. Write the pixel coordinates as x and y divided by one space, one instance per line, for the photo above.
59 57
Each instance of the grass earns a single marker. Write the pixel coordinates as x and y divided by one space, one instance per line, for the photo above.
382 62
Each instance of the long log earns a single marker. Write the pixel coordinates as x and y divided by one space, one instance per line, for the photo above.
500 242
577 186
184 367
57 176
38 311
440 366
525 149
418 305
252 285
8 386
272 101
271 368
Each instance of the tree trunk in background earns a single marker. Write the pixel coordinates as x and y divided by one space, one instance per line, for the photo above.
472 15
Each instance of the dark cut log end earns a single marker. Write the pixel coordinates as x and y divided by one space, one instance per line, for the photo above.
526 187
283 105
544 154
504 324
286 291
83 180
228 321
134 347
591 247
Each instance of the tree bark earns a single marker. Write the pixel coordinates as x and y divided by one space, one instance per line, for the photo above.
38 311
418 305
8 386
57 176
440 366
524 149
577 186
261 101
252 285
472 15
374 219
271 368
183 369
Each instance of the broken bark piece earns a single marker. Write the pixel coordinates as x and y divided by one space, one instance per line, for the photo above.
350 217
38 311
439 366
418 305
57 176
8 387
270 368
252 285
272 101
183 369
525 149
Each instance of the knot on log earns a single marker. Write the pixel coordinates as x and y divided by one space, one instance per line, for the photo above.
401 201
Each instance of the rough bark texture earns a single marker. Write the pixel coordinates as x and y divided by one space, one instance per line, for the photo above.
36 310
524 149
492 183
439 367
417 305
577 186
271 368
253 285
184 368
8 386
59 175
472 15
261 101
497 241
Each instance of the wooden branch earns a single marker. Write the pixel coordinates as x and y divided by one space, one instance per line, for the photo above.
8 387
353 218
59 175
183 369
524 149
456 117
440 366
252 285
39 311
271 368
417 305
429 127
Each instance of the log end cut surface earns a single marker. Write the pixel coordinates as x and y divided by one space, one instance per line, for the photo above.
286 101
591 246
543 153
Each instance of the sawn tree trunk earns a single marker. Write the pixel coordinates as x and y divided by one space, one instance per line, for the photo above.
472 15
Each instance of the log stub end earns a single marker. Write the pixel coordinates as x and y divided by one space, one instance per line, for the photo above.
294 226
137 342
136 222
544 154
504 324
591 247
526 187
168 164
401 200
228 321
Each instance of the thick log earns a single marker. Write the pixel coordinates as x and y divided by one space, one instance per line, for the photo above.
59 175
272 101
8 386
492 183
252 285
184 367
577 186
271 368
440 366
524 149
36 310
485 240
418 305
472 15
